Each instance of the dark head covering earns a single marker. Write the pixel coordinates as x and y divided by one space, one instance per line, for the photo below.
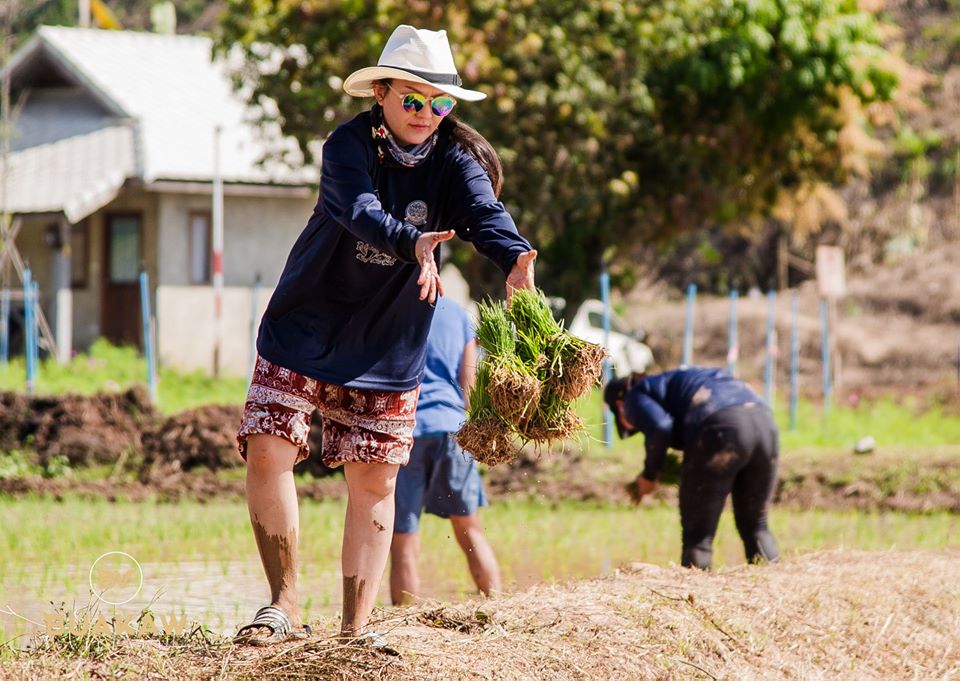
615 391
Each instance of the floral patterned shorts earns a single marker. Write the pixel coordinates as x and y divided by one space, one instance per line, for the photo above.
367 426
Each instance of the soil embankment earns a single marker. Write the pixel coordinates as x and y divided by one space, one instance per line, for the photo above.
189 456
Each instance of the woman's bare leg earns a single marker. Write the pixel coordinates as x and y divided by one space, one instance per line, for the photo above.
272 502
367 533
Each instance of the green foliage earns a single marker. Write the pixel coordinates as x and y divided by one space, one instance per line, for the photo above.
15 464
617 122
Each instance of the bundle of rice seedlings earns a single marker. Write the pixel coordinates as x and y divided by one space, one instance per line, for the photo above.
487 436
532 372
513 386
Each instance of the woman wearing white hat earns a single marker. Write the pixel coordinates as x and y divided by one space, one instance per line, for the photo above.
345 331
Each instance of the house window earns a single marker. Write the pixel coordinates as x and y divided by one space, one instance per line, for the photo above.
79 254
123 249
199 258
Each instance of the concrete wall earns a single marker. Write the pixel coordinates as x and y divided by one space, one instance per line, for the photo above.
258 234
186 331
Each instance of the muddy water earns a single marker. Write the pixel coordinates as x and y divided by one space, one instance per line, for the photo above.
221 595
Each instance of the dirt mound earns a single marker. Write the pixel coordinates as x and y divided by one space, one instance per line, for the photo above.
107 428
87 429
206 436
830 615
551 477
925 286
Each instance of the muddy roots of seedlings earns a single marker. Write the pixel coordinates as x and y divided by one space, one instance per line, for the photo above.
488 440
578 371
513 394
546 428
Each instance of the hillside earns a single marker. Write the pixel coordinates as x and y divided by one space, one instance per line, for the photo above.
832 615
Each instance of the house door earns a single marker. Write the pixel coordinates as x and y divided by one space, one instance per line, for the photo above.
120 309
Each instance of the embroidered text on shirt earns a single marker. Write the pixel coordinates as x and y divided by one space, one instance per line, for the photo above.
368 254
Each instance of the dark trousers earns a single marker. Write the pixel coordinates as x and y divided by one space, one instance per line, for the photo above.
734 451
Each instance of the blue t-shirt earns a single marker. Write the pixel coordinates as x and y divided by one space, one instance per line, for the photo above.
346 309
441 408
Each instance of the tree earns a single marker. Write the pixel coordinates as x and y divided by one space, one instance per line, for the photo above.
620 123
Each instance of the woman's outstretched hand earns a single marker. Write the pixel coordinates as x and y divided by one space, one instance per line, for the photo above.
429 280
521 276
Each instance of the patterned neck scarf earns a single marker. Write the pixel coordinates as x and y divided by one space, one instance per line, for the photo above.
391 153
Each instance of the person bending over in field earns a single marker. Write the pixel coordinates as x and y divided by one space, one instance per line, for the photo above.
345 331
730 446
440 476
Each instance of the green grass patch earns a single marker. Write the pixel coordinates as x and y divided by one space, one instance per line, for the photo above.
534 541
108 368
890 423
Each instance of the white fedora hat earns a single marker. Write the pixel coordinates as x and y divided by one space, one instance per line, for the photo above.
417 55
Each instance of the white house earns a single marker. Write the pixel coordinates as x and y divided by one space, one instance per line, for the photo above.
111 167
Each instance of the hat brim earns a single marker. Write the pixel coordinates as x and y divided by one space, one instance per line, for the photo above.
360 83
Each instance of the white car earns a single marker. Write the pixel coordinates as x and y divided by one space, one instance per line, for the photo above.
627 350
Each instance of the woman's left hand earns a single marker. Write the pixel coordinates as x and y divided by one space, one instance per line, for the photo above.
521 276
429 280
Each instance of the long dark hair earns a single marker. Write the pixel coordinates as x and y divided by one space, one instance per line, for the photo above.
473 143
477 146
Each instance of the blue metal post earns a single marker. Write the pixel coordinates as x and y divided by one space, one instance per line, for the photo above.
607 368
28 342
733 351
825 354
769 366
148 349
794 358
687 357
5 326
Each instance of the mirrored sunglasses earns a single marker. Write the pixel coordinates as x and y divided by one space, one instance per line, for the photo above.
413 102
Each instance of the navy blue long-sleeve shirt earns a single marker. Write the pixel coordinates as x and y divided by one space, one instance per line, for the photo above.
668 408
346 309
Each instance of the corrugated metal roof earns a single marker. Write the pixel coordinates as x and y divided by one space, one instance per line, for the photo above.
177 96
76 175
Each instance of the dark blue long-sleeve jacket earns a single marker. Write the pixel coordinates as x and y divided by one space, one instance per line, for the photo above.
668 408
346 309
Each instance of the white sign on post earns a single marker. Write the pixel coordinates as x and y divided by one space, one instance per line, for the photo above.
831 280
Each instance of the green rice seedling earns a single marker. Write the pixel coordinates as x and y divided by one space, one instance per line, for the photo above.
535 326
494 329
513 387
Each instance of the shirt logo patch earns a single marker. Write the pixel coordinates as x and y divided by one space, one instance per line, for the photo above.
368 254
416 213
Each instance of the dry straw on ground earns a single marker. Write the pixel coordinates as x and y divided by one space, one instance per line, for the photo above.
832 615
